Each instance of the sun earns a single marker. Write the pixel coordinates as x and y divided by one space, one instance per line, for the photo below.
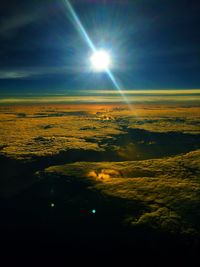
100 60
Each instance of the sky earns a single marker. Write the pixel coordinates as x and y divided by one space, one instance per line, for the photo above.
153 45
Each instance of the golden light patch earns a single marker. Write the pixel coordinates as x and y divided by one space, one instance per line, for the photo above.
104 174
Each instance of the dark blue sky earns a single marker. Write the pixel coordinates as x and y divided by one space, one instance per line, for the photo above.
154 44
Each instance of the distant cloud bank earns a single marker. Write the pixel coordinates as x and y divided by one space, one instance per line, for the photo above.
97 96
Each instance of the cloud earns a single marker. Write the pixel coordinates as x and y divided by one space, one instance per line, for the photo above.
29 72
11 24
170 196
167 189
23 72
14 74
104 174
16 23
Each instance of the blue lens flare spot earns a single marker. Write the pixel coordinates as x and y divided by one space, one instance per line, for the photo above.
93 211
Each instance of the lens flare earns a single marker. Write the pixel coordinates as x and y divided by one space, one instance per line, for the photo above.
101 63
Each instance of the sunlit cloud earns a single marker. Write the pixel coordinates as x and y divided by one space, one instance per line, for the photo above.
104 174
154 96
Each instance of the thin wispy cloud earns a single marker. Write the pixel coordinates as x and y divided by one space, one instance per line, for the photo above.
23 73
16 22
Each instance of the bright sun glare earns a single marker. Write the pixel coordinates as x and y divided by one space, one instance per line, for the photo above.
100 60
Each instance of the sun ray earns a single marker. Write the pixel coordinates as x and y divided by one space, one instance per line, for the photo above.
79 26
